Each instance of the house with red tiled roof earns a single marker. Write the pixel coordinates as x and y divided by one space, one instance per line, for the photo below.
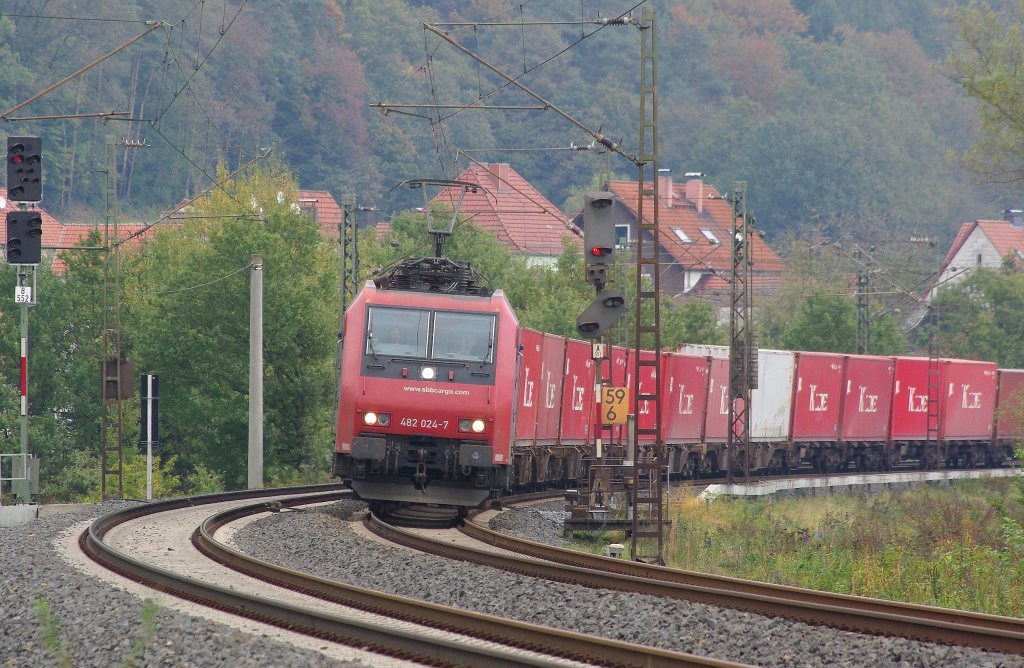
513 210
695 227
75 235
983 243
324 209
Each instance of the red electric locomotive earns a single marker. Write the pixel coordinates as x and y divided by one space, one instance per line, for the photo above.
425 410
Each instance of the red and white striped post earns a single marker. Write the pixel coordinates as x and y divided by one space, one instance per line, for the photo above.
24 376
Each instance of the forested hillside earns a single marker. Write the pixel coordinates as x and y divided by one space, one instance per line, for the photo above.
837 114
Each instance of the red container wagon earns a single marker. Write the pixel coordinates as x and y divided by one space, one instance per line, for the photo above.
685 382
549 383
968 400
1010 407
528 386
817 383
716 423
645 407
909 421
578 401
967 411
867 391
816 397
685 378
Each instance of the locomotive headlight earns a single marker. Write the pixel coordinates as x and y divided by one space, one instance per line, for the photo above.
428 373
476 425
380 419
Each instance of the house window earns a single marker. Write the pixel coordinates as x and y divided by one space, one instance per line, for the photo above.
621 235
682 235
710 236
979 259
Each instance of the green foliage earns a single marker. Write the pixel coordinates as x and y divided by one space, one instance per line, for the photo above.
838 106
980 317
988 63
51 633
138 648
59 650
935 546
188 313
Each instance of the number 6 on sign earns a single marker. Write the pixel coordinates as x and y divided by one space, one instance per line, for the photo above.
614 402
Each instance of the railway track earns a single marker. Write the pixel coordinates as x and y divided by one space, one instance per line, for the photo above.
442 635
852 613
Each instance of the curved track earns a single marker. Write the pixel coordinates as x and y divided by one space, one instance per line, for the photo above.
853 613
482 639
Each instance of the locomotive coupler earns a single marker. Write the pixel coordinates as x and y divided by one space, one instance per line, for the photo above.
419 479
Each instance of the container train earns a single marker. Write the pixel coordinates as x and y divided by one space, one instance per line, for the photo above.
446 399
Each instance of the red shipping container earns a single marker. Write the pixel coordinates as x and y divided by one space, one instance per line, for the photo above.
910 400
716 424
552 368
577 394
646 411
1009 400
528 386
816 396
866 397
968 401
685 379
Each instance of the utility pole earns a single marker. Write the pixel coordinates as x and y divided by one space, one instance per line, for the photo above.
256 373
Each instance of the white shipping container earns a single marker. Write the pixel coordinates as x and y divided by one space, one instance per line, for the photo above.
772 401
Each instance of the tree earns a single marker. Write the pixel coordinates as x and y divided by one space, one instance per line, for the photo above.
980 317
988 63
189 323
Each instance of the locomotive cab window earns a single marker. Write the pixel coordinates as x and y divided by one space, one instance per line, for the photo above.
466 337
398 332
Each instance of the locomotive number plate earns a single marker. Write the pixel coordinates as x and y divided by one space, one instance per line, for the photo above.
424 423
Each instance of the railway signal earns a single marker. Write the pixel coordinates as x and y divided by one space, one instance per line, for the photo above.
24 237
598 236
601 314
24 169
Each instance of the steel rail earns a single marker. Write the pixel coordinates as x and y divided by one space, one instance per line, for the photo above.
843 611
376 637
521 635
1009 625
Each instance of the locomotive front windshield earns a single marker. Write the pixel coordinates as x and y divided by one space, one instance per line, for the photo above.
462 336
437 335
401 332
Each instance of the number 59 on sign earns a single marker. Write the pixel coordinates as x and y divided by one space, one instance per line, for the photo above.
614 402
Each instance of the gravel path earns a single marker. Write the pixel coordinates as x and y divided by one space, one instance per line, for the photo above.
322 541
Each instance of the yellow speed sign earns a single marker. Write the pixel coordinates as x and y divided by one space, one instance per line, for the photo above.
614 405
